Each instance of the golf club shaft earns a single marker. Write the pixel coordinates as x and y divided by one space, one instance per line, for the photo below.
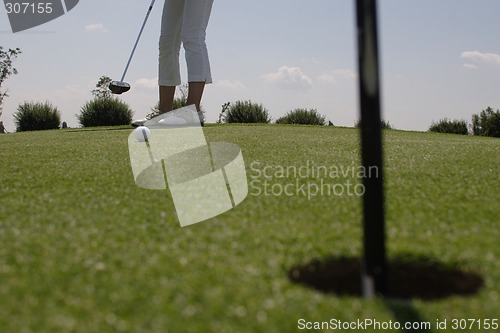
138 37
146 140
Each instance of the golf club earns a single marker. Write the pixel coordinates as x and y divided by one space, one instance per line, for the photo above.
119 87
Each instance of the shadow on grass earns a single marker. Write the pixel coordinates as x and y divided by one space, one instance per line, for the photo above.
404 312
407 279
99 129
420 278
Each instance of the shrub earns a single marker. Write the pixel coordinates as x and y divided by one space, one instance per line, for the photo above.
179 102
106 111
303 117
246 112
383 124
487 123
32 116
449 126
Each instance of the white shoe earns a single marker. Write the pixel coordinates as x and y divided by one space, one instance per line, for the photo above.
186 116
138 122
172 120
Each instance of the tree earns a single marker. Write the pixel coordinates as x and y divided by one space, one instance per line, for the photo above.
225 109
6 69
487 123
102 86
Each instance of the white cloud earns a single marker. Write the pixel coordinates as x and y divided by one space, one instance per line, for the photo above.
95 27
487 58
334 75
345 73
148 84
289 77
312 61
327 78
470 66
233 86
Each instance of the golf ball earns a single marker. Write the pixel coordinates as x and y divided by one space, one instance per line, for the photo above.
142 133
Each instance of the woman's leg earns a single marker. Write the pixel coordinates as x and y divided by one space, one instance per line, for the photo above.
167 94
169 48
194 25
195 93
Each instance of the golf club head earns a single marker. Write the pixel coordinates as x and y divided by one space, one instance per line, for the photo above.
119 87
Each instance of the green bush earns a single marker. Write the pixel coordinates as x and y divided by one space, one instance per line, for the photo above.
383 124
106 111
449 126
302 117
246 112
179 102
32 116
487 123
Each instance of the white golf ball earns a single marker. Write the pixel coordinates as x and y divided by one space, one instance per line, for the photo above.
142 133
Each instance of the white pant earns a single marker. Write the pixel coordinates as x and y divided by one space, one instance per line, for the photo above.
184 21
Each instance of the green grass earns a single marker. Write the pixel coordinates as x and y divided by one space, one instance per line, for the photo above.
82 249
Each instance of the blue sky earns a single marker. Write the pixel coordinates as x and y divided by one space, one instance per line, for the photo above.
438 58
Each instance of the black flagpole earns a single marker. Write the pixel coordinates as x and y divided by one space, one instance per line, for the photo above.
374 276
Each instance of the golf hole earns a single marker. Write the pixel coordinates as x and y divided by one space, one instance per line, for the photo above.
421 278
